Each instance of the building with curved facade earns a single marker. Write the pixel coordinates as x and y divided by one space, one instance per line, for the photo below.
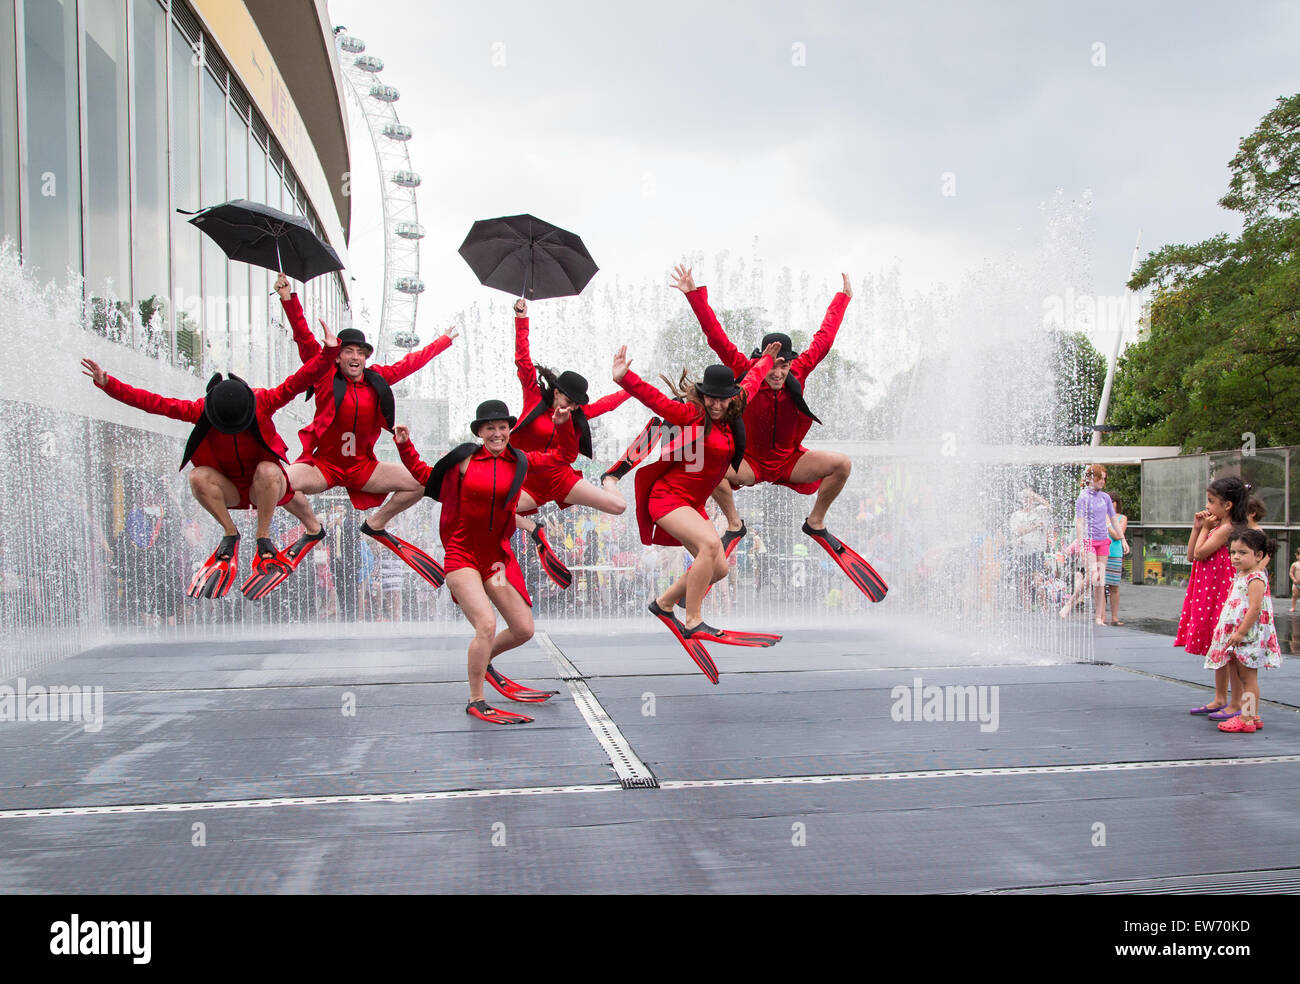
115 115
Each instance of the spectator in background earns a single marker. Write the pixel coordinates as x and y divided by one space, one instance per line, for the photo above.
1115 560
1029 527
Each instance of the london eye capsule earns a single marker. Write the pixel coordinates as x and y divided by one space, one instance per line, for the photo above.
397 131
409 285
406 179
352 45
410 230
369 63
385 93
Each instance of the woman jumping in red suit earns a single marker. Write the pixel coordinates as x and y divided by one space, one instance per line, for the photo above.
562 484
238 459
479 487
670 493
338 446
777 420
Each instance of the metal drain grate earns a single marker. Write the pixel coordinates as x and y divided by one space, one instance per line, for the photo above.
631 771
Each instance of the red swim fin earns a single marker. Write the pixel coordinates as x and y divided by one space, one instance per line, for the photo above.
516 691
859 571
413 556
551 563
705 632
218 572
481 710
637 451
694 647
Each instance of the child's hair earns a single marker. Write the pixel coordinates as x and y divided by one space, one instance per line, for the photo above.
684 389
1115 499
1255 540
1234 492
1094 471
1255 509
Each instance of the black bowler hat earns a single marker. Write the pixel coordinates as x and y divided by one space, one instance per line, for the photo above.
230 405
355 336
574 386
787 347
488 411
718 382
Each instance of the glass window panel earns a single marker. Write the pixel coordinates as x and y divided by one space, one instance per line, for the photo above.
212 180
237 160
8 126
149 215
1264 471
257 173
52 198
1173 489
187 287
108 167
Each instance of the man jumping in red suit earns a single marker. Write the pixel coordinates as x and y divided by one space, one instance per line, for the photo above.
238 459
776 421
353 404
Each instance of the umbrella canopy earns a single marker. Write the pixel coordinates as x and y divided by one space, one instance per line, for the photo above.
263 236
527 257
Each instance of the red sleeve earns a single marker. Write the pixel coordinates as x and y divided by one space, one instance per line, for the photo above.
731 357
413 362
564 452
187 410
414 463
302 380
524 365
606 403
807 360
672 411
308 345
754 378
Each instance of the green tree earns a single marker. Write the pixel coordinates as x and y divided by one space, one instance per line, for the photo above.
1221 357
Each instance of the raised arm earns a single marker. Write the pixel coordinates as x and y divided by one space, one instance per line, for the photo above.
308 346
417 360
825 337
672 411
187 410
411 457
754 378
523 356
606 403
307 376
731 357
565 450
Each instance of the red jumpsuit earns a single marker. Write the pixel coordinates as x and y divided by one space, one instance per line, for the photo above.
692 465
547 483
235 456
478 514
340 440
774 426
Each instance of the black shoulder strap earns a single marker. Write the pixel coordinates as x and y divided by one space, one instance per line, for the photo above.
584 431
521 469
196 438
738 434
433 487
795 389
534 413
387 405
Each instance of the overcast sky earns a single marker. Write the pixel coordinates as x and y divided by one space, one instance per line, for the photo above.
825 130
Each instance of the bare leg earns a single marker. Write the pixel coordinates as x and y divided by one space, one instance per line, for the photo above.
608 498
518 616
526 505
215 493
467 586
388 477
699 537
832 469
1097 575
266 490
306 480
726 501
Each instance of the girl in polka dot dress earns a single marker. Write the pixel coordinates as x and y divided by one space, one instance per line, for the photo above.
1245 636
1225 504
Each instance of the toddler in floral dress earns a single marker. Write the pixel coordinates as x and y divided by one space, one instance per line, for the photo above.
1245 633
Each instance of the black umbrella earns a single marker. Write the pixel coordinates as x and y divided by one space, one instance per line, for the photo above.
527 257
263 236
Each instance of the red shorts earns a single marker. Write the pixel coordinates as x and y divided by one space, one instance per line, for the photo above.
551 484
352 477
662 502
457 559
778 472
246 487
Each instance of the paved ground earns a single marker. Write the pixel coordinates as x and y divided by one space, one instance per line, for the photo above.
237 768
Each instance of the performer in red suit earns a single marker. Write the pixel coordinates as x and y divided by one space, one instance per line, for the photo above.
670 493
238 457
479 486
776 421
562 484
352 405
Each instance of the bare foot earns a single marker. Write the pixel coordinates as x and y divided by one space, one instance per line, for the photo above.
1065 611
